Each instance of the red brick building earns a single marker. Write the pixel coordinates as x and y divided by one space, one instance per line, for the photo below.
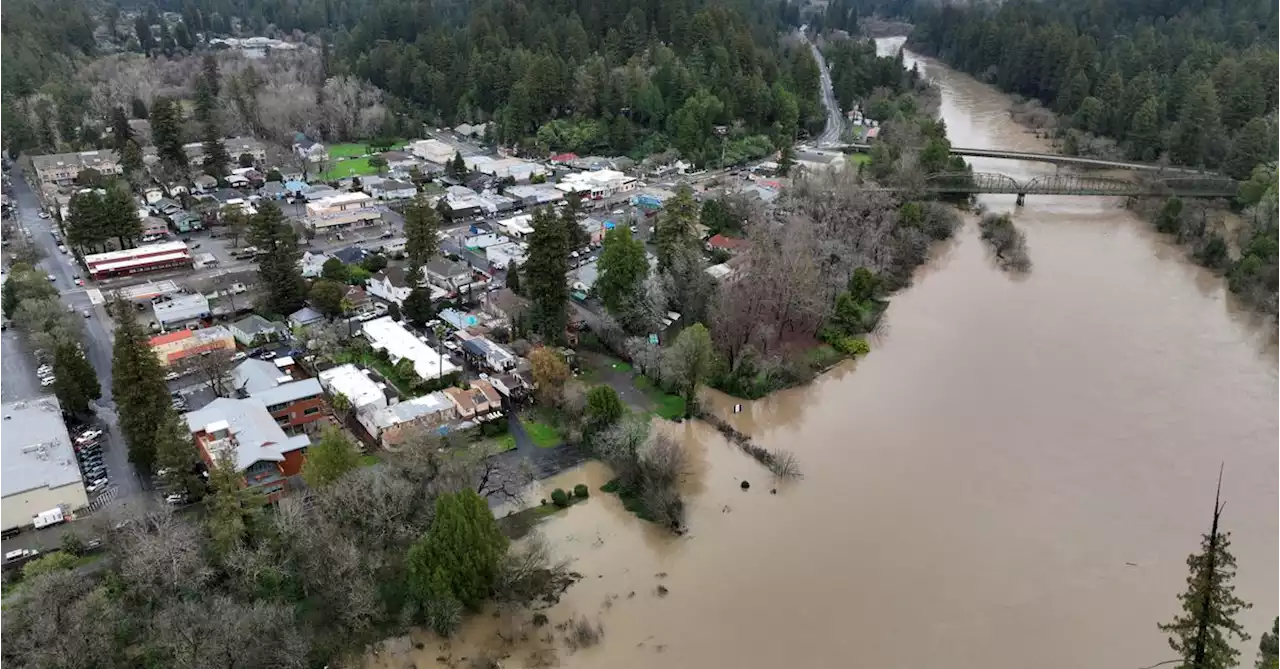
244 431
296 404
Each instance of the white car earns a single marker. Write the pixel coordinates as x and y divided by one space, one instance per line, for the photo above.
240 355
172 376
44 214
175 498
89 435
20 553
44 370
52 278
62 249
47 381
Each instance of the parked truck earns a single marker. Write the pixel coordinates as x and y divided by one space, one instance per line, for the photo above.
46 518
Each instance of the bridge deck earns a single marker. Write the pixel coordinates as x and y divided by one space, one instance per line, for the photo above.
1052 158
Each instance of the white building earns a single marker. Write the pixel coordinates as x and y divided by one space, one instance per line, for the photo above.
341 211
597 185
391 189
38 470
385 334
502 256
391 425
181 310
520 170
354 384
486 240
517 226
433 150
313 263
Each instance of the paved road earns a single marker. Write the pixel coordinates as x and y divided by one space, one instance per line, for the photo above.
835 121
98 332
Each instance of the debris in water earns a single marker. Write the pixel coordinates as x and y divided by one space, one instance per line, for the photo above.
745 485
773 491
661 591
631 594
661 574
725 509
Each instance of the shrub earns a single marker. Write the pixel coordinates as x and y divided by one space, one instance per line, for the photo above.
581 491
559 498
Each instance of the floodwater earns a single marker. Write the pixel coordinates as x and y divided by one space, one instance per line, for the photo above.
1012 478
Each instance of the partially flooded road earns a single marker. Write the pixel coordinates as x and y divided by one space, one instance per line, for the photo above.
1012 478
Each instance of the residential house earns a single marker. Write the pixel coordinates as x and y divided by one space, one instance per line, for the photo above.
175 347
595 229
473 131
447 274
392 425
458 320
511 386
238 181
389 285
726 244
311 151
313 264
391 189
476 402
351 255
295 187
400 161
181 311
385 334
239 146
304 317
295 404
343 210
244 431
357 301
154 228
203 184
254 330
487 353
273 190
504 305
61 169
362 394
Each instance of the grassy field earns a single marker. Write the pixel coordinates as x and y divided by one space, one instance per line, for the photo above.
353 150
350 167
543 435
668 406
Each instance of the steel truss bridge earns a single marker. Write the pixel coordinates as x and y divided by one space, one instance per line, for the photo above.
1188 186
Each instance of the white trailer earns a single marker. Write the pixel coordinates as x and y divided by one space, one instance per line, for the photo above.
46 518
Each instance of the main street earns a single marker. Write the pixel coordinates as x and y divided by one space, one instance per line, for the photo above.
98 340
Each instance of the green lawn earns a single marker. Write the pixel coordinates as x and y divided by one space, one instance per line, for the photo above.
666 405
369 460
542 434
506 443
352 150
860 158
350 167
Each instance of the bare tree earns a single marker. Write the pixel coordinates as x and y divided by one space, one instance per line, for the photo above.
213 368
222 632
161 555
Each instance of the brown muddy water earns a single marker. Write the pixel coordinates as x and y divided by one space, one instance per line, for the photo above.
1012 478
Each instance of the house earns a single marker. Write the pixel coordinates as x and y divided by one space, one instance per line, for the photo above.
502 256
399 161
391 189
481 399
61 169
203 184
517 226
393 424
390 285
244 431
273 190
351 255
311 151
342 210
597 184
181 311
154 228
357 301
487 353
254 330
295 404
313 264
511 386
175 347
595 229
384 334
353 383
504 305
447 274
295 187
474 131
304 317
239 146
726 244
238 181
563 158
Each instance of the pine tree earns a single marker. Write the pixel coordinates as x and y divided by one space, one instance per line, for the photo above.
1144 131
458 167
1252 146
146 41
131 160
76 382
216 157
176 455
208 85
675 225
544 275
1201 635
233 506
87 224
121 133
278 259
786 160
138 387
1269 648
166 131
121 216
623 267
458 558
417 306
513 279
1198 127
422 235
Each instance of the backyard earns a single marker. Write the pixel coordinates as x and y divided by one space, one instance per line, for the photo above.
350 167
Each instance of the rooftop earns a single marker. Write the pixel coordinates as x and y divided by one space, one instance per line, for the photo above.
446 268
352 382
388 335
411 409
254 324
39 454
182 308
255 436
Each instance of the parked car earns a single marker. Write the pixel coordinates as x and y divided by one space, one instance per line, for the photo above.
52 278
176 499
172 376
240 355
46 382
20 554
43 214
86 313
90 434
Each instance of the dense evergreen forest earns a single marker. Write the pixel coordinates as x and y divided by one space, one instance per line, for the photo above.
1191 79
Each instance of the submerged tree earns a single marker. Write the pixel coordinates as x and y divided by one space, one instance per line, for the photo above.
1202 634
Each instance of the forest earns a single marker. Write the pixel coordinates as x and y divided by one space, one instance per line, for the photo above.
1192 81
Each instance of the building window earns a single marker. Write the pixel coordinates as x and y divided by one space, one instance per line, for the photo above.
311 412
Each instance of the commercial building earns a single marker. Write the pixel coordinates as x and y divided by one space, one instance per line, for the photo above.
535 195
517 226
38 470
295 404
175 347
61 169
392 424
244 430
342 210
385 334
433 150
181 310
597 185
145 258
353 383
503 255
502 168
391 189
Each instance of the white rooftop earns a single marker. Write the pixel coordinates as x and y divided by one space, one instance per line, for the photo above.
352 382
36 448
387 335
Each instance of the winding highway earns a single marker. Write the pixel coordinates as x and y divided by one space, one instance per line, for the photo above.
835 120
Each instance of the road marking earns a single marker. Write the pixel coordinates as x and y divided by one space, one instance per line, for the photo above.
95 296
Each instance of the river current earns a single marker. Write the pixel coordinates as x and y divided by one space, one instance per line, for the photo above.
1013 478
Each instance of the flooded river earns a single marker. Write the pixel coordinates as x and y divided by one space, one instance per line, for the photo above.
1012 478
